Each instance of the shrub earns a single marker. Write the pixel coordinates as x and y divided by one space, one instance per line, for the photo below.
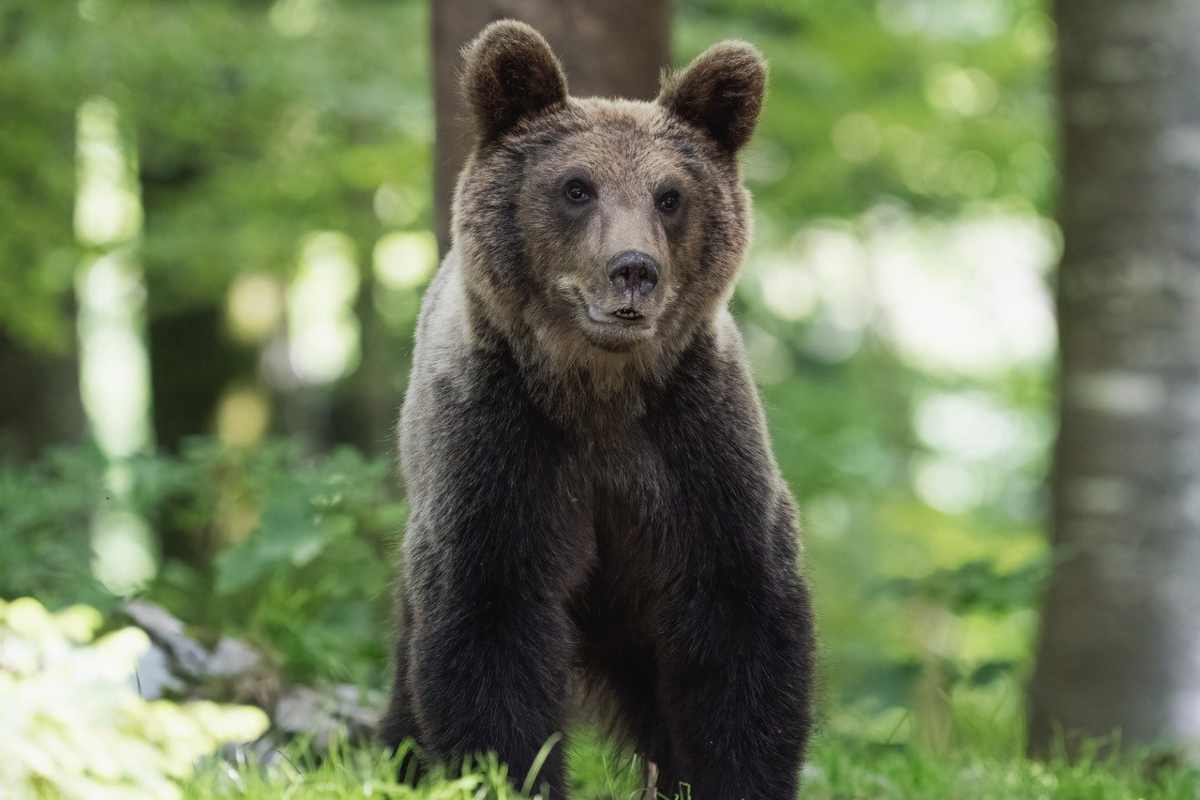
75 726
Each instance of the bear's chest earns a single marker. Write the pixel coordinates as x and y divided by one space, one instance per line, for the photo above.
627 489
625 478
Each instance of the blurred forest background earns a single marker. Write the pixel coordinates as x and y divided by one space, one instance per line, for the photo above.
218 218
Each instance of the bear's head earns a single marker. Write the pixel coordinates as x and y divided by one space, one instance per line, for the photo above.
603 228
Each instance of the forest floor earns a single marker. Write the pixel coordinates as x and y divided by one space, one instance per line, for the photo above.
836 771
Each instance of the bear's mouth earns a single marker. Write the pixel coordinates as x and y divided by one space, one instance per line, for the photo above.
625 315
617 329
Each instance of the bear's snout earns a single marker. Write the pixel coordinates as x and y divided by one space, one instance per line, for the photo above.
633 274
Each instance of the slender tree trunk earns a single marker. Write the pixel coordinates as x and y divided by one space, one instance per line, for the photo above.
1119 650
363 411
611 48
192 360
39 402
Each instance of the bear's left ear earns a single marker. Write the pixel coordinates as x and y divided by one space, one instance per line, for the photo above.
720 92
509 72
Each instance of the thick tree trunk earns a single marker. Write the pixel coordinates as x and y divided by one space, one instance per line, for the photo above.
1119 649
611 48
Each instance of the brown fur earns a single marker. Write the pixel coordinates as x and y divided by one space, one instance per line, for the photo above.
510 74
720 91
625 146
591 483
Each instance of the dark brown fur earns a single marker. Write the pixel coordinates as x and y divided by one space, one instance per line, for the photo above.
593 495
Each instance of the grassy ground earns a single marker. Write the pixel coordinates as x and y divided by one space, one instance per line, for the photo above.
836 771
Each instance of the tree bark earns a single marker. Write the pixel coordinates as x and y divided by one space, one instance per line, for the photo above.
1119 648
612 48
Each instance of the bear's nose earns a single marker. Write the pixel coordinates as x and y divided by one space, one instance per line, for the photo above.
634 272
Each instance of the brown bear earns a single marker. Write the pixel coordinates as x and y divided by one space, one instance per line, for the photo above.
592 489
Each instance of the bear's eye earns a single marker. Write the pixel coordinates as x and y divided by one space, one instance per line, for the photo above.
668 201
577 191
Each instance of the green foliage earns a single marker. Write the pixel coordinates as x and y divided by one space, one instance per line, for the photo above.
291 551
598 772
933 104
45 518
74 725
844 770
254 123
839 769
310 578
348 774
279 533
37 252
974 586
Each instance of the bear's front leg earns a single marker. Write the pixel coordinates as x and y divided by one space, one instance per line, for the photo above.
735 642
735 685
489 673
495 544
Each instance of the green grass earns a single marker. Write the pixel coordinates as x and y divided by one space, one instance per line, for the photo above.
837 770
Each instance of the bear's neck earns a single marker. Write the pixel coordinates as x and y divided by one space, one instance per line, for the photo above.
578 384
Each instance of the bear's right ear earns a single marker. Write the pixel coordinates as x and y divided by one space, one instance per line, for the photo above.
720 92
509 72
